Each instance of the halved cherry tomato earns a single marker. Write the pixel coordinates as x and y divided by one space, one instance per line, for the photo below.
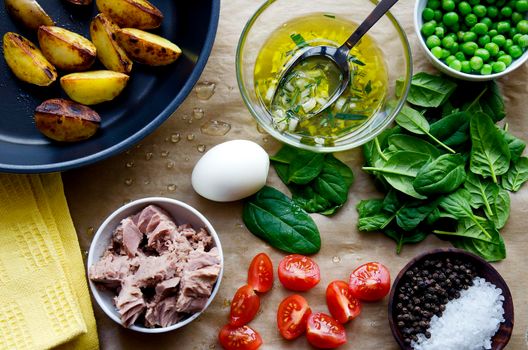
298 272
239 338
260 274
244 306
341 304
292 316
370 282
324 332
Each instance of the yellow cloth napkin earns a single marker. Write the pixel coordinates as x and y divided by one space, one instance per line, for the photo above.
44 298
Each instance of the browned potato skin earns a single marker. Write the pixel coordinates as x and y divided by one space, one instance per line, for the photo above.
26 61
78 53
29 13
139 14
80 2
103 33
156 51
66 121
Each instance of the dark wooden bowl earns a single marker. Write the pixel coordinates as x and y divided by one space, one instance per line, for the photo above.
484 270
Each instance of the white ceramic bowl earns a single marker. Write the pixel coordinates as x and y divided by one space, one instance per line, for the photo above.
418 21
182 213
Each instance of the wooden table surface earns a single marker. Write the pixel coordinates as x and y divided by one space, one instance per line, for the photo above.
162 163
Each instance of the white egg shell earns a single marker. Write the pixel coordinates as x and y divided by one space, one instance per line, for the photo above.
231 171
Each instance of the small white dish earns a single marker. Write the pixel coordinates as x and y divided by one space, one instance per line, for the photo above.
444 68
183 214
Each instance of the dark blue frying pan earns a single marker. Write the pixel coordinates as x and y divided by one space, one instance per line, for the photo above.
150 97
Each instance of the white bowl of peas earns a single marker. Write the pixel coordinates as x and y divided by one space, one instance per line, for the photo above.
473 40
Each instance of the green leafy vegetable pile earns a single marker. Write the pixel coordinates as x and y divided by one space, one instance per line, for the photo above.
319 183
446 168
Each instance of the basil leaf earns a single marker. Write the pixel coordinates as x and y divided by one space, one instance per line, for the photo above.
402 142
452 130
488 101
516 176
442 175
483 192
429 90
401 169
305 167
501 208
273 217
515 144
490 155
402 237
413 121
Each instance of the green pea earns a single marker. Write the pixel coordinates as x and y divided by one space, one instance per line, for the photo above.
466 67
479 29
508 44
498 67
448 5
471 20
516 38
428 29
503 27
433 4
469 36
486 69
437 52
521 5
513 31
464 8
516 17
522 26
438 15
493 12
476 63
493 32
454 48
523 41
445 54
450 18
483 40
487 21
492 48
456 65
447 42
427 14
515 51
506 11
450 59
469 48
460 35
501 53
480 10
499 39
482 53
439 32
506 59
460 56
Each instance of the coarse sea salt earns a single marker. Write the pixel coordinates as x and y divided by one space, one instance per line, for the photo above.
469 322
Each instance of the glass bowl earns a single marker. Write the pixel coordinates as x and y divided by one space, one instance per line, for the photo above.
387 34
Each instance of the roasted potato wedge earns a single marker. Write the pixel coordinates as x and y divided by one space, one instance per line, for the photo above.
29 13
90 88
103 33
148 48
26 61
66 121
131 13
80 2
67 50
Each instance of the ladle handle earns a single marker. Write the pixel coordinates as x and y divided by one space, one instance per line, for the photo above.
378 12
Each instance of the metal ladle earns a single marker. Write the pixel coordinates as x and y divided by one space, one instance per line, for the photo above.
338 55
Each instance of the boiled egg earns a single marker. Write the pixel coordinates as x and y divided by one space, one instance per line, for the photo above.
231 171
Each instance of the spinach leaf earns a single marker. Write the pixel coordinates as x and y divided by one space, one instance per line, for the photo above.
369 207
490 155
305 167
501 208
483 193
273 217
467 228
516 176
402 237
490 252
402 142
413 121
488 101
442 175
285 155
516 145
429 90
413 213
371 216
373 150
310 200
391 202
452 130
401 169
